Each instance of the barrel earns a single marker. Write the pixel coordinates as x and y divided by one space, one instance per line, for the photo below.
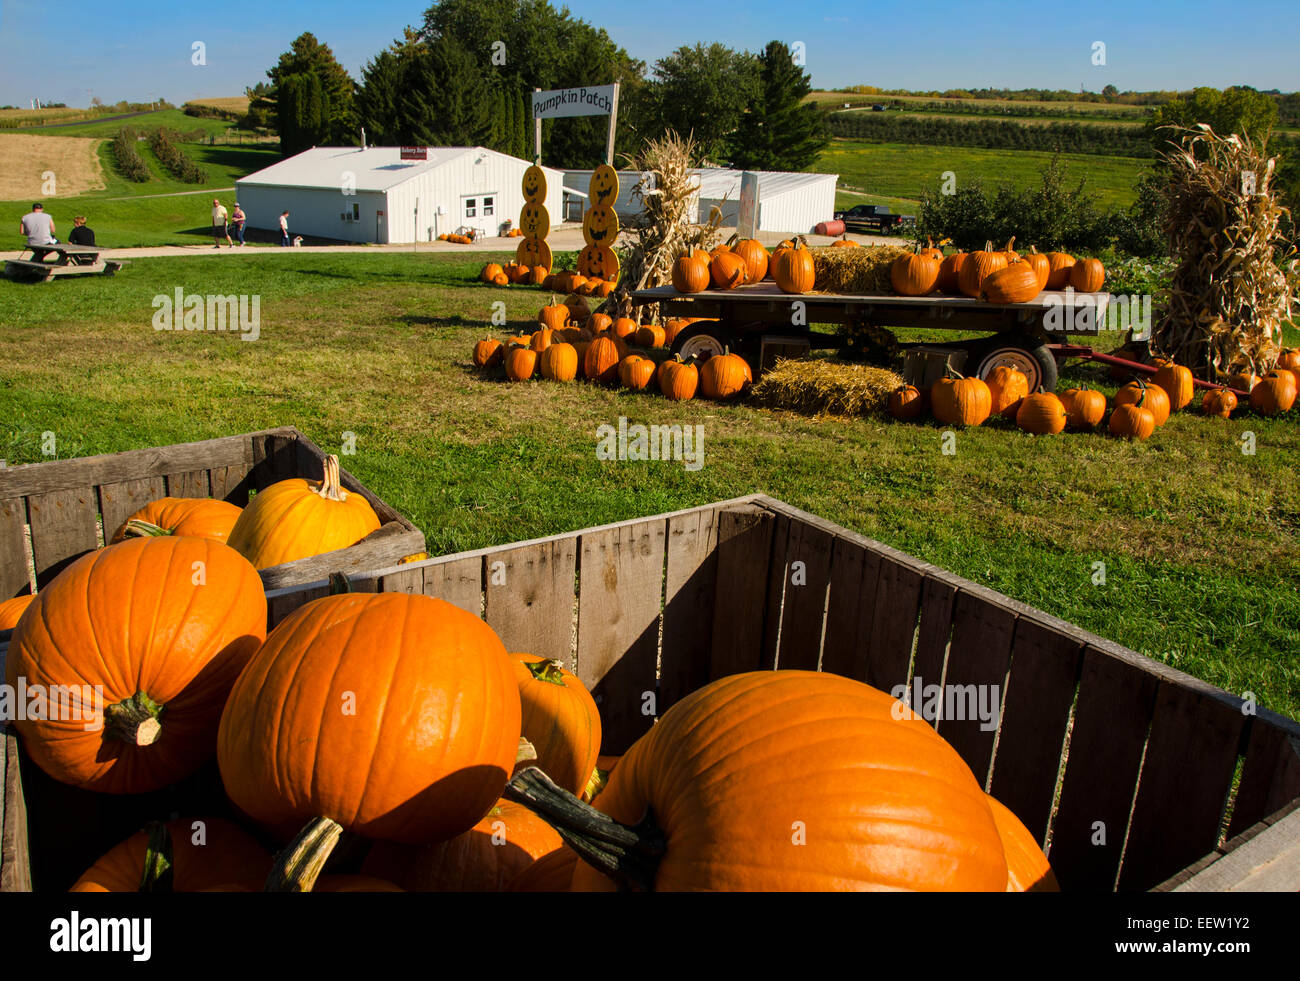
832 228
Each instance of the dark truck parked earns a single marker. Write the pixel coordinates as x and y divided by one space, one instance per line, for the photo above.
873 218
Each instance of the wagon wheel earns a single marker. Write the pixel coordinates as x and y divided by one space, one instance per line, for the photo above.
702 341
1028 355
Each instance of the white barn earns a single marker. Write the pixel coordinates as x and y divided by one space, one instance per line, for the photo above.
790 203
370 194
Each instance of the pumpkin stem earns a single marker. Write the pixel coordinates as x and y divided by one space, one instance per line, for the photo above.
548 671
595 784
526 751
339 583
157 874
143 529
134 720
1010 242
628 855
330 486
299 865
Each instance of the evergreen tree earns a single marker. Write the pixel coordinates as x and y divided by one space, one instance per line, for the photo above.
780 131
445 101
307 56
378 98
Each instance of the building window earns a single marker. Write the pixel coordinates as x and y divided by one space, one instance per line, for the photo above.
356 212
470 207
488 210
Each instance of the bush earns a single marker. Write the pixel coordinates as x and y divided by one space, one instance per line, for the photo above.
128 161
163 144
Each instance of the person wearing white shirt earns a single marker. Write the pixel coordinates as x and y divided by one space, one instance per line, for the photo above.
220 219
284 228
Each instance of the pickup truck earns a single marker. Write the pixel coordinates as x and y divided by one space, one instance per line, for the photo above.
873 218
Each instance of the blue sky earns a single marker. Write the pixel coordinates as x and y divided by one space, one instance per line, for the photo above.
135 50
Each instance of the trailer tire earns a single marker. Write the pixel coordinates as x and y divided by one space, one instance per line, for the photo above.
703 338
1028 354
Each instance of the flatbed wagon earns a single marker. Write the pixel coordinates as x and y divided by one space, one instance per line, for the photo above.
761 318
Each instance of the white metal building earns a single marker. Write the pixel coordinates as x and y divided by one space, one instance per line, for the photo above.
371 194
790 203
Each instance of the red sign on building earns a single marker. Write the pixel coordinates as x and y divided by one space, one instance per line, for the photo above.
415 153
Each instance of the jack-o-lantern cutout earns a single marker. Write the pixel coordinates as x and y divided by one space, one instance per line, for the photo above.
535 185
598 262
603 188
600 225
535 221
533 252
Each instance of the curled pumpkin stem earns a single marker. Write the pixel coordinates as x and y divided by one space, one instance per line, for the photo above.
297 868
134 720
331 486
157 874
628 855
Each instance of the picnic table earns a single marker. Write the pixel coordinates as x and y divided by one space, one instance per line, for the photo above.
69 260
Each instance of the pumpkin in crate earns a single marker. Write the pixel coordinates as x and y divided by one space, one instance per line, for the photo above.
978 267
724 377
163 625
560 719
1027 867
961 401
678 379
553 315
1087 276
521 364
1150 397
560 362
1274 393
1017 283
690 274
1041 414
905 402
1085 408
396 715
194 517
950 273
793 269
1176 380
727 270
1059 265
486 858
635 372
650 335
1008 386
200 853
488 353
1219 402
295 518
915 274
600 363
875 799
12 609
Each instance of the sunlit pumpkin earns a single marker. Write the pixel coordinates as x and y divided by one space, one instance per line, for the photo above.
1219 402
950 273
793 270
1176 380
1059 265
635 372
1274 393
1017 283
560 362
1085 408
12 609
560 718
196 517
724 377
1150 397
914 274
961 401
727 270
978 267
1007 387
1088 275
678 380
1041 414
601 361
690 274
1027 867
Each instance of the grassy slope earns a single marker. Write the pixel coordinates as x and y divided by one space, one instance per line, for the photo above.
1199 540
170 118
901 170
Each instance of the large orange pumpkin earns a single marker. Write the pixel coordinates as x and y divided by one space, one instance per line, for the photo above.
1084 407
1150 397
1087 275
163 625
870 797
1027 867
635 372
1041 414
691 274
223 853
678 380
1059 265
724 377
950 273
727 270
1008 386
961 401
1017 283
394 714
295 518
978 267
560 719
560 362
600 363
193 517
1274 393
521 364
793 269
915 274
1040 264
1216 402
756 259
488 353
1176 380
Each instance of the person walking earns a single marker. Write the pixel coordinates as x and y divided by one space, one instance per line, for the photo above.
239 219
80 234
39 229
220 221
284 228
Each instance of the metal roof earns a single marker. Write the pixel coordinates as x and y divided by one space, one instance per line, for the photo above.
376 168
719 182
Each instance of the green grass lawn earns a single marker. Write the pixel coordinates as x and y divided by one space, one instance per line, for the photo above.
1199 540
896 170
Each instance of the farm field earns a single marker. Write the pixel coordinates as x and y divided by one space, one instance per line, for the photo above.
169 118
379 346
25 159
902 171
823 98
973 118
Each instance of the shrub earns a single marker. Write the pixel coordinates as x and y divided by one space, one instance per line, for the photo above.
128 161
163 144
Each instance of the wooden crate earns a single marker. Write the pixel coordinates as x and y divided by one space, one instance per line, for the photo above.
651 609
923 366
52 513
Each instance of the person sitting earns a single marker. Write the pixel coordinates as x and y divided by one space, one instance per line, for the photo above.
39 229
80 234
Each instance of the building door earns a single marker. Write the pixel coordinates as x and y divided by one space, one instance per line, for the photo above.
480 211
381 236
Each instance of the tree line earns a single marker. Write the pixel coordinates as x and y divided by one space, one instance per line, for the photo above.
1122 141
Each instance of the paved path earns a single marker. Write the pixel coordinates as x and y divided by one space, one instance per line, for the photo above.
169 194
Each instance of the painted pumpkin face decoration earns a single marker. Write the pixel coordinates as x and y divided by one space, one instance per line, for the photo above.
534 185
600 225
533 252
604 186
534 221
598 262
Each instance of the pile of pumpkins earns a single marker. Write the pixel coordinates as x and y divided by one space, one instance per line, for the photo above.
995 275
565 281
403 721
1138 410
571 343
740 262
456 239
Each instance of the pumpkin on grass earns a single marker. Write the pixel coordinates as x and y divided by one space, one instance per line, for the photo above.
560 720
1084 407
905 402
293 519
961 401
1151 397
542 339
553 315
1132 420
223 852
679 379
560 362
193 517
1274 393
521 364
600 363
635 372
396 715
783 781
1041 414
724 377
651 335
1008 386
488 353
1176 380
1219 402
164 625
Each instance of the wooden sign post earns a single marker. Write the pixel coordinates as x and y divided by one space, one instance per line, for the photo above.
597 100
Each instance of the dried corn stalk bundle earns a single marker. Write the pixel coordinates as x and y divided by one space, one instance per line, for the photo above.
861 270
819 386
1231 292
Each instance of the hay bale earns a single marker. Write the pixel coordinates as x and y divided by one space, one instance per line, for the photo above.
861 270
820 386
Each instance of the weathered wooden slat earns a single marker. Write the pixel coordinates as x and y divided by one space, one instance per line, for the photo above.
120 500
1036 709
1111 717
1270 776
807 563
459 582
403 581
275 458
689 594
281 602
1186 774
530 598
850 609
109 468
14 576
63 527
378 550
190 483
938 598
775 590
1269 861
893 628
620 585
15 866
230 483
744 552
